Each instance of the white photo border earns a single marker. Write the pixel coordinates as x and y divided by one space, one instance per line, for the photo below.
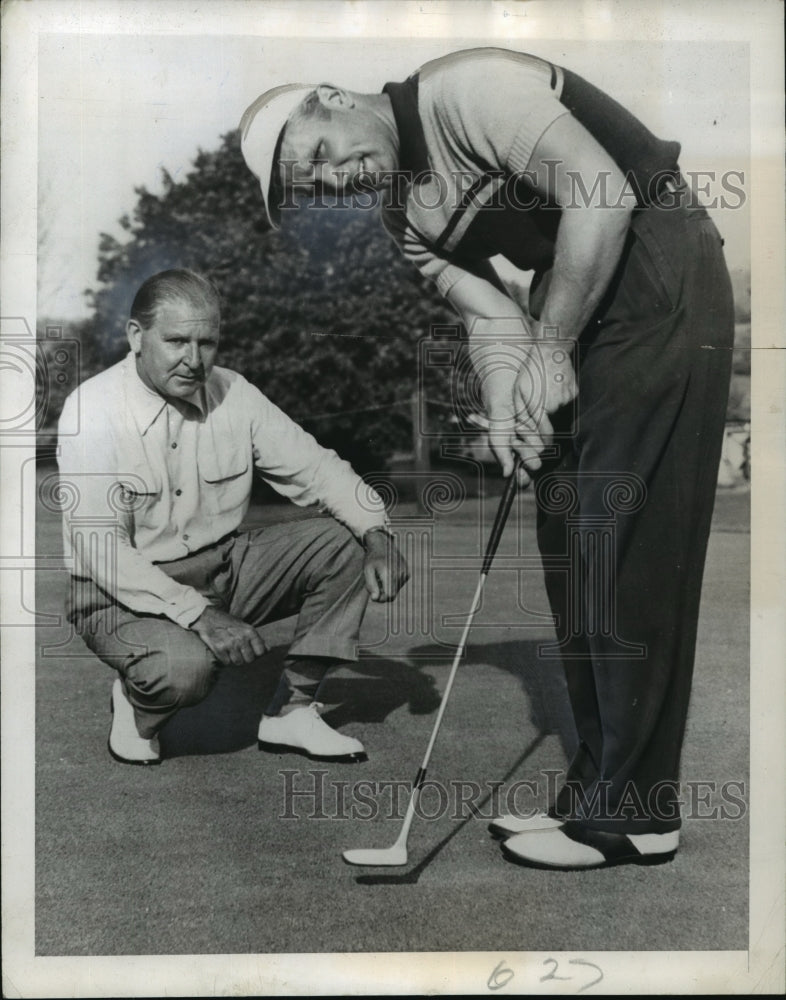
760 968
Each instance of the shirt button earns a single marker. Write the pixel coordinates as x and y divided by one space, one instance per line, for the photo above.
178 493
174 444
185 538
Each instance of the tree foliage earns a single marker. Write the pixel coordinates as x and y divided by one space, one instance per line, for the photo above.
323 315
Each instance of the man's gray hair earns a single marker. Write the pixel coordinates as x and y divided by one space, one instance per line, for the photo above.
311 107
177 283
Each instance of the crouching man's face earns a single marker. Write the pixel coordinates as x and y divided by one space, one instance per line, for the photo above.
175 355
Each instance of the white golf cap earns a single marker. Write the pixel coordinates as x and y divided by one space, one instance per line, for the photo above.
260 131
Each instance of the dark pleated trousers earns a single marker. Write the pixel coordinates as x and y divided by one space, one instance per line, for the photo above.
624 512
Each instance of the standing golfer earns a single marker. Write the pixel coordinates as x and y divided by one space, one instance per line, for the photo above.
609 378
166 588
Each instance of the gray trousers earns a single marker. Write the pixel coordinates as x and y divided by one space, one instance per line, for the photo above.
312 568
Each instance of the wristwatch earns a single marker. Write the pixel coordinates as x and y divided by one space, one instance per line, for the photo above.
377 527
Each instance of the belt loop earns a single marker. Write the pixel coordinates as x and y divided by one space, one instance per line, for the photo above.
557 80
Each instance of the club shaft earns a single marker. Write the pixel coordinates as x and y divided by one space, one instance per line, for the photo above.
453 671
503 510
496 533
505 503
413 799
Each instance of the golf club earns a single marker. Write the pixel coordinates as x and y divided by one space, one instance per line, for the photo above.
397 853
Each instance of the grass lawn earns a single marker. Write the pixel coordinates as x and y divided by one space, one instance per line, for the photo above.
212 853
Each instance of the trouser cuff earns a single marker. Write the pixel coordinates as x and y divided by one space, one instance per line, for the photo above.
324 648
301 680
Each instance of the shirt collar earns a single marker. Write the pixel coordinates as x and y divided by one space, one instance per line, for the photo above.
413 151
147 405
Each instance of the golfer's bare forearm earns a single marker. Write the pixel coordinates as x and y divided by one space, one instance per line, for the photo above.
589 246
491 318
571 170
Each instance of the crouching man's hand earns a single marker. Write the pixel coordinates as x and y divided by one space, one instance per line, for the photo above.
385 568
232 641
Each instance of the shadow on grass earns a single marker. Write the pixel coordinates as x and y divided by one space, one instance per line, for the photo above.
411 877
228 719
544 685
398 683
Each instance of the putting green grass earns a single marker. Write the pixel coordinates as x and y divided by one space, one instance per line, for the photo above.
206 854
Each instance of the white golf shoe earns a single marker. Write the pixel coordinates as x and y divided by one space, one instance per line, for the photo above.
510 824
573 847
303 731
125 743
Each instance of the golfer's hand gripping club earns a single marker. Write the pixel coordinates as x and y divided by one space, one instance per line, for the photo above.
505 503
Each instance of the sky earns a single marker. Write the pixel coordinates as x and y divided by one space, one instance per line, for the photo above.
114 109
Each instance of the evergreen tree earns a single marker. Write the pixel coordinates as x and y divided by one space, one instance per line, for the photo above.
324 315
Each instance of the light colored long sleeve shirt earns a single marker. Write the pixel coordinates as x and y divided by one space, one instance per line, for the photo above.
151 481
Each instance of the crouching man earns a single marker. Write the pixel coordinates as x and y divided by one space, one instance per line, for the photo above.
165 587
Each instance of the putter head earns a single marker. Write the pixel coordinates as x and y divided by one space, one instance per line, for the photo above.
386 857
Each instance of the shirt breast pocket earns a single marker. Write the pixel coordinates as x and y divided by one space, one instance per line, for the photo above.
139 494
226 477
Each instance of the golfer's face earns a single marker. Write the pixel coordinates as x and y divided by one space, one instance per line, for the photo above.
175 356
336 152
